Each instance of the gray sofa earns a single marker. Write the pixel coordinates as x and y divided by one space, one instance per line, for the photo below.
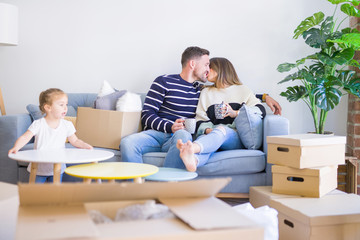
245 167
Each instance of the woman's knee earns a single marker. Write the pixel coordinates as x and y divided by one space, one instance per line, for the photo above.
221 129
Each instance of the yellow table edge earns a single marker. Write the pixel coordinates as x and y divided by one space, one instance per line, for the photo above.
154 169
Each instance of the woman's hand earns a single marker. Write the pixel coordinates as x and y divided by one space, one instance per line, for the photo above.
230 112
208 130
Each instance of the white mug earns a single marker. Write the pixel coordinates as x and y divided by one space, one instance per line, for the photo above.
190 125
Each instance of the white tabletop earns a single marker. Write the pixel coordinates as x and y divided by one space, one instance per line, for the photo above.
66 155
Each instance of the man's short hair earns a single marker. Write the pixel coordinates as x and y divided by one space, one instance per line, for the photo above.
191 53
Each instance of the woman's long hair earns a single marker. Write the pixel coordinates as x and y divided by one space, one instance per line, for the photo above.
226 72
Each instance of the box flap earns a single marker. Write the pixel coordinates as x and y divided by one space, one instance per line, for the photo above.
9 203
8 191
75 193
306 139
318 171
49 222
199 213
327 210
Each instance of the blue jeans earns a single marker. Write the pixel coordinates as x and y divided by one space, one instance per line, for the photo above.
215 140
132 147
44 179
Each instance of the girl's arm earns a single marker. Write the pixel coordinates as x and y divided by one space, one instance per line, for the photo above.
76 142
21 141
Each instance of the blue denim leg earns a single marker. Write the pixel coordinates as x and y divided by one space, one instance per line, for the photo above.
232 140
44 179
172 158
132 147
215 140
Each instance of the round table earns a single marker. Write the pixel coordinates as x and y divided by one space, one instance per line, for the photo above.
59 156
171 174
112 170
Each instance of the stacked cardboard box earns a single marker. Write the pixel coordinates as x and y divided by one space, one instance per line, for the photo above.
305 164
332 217
303 191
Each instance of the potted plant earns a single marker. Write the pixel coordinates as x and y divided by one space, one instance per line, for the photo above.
325 76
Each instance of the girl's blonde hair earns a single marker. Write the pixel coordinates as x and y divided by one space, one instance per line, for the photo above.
48 96
226 72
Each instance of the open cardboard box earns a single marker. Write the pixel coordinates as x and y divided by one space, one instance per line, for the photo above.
50 211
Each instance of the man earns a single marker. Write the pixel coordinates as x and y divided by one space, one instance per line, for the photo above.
170 99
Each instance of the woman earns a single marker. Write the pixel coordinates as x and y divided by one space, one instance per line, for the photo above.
214 131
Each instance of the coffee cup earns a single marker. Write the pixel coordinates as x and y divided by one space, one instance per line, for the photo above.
220 110
190 125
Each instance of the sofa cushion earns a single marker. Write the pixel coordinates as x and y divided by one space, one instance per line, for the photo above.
154 158
232 162
129 102
36 114
81 99
251 127
108 102
105 89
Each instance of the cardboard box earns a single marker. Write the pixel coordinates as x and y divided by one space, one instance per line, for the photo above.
331 217
49 211
309 182
105 128
9 202
262 195
306 150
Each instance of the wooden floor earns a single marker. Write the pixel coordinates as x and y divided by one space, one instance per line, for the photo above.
234 201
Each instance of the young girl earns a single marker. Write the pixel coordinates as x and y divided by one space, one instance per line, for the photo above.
50 131
215 133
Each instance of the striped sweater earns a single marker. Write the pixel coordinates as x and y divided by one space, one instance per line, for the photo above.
170 97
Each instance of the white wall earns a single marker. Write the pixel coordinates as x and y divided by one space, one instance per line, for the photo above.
76 44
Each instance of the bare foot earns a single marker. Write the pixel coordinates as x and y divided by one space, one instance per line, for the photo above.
187 155
179 144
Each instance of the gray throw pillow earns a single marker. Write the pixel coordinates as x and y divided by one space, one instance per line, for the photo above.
34 111
249 126
36 114
108 102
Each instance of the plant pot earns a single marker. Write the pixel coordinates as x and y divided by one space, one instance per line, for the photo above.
328 133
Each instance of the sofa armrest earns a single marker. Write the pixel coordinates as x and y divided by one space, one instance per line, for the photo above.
11 127
273 125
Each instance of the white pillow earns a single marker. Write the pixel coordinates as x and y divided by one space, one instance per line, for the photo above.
106 89
129 102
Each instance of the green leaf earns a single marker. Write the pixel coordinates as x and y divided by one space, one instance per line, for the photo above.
354 63
308 23
317 68
343 56
326 97
292 77
285 67
350 10
294 93
346 75
314 38
325 59
350 39
353 87
354 2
